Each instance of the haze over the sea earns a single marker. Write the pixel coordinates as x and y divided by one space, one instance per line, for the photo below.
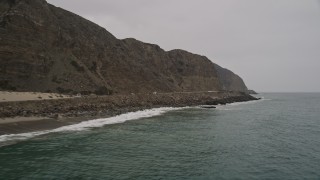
273 45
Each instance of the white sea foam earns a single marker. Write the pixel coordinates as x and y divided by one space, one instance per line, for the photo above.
85 125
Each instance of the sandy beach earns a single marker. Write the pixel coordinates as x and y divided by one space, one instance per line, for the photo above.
6 96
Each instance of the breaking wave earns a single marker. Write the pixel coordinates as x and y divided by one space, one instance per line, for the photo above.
85 125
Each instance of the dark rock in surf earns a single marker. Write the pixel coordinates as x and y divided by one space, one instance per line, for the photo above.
207 107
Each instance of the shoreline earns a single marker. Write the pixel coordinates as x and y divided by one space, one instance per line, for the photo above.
29 116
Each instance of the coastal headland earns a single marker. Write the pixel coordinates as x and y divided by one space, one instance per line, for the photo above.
61 69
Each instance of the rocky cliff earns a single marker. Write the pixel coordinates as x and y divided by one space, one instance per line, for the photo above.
48 49
230 81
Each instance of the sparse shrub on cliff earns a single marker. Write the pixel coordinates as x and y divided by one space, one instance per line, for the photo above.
93 68
6 86
85 92
77 66
103 91
55 79
64 91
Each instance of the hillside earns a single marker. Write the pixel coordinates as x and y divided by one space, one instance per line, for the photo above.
47 49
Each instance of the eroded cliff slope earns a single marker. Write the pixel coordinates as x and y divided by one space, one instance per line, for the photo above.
45 48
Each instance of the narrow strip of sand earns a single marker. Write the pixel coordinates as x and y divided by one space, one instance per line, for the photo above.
7 96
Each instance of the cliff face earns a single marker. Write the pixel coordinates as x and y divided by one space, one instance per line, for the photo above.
48 49
230 81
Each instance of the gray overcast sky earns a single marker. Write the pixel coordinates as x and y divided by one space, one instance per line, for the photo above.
274 45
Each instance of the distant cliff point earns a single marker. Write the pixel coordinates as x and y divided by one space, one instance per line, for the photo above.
47 49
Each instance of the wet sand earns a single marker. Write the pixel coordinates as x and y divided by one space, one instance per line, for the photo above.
31 124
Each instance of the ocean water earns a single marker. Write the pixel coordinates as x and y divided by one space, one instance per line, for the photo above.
274 138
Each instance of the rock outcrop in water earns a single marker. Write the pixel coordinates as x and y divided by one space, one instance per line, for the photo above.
45 48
